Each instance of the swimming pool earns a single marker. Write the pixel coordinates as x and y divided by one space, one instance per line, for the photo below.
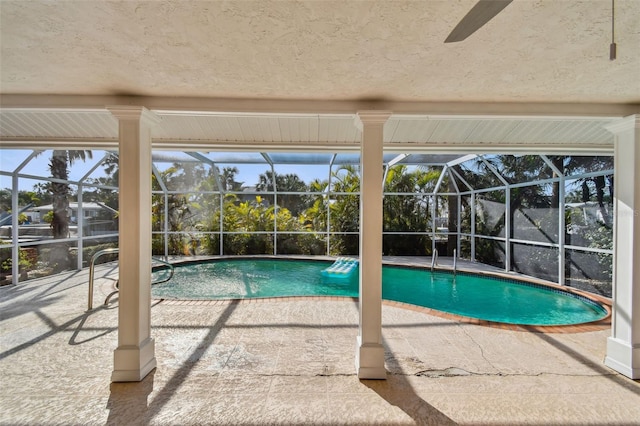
475 296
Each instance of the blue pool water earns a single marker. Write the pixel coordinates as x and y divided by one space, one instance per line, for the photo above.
475 296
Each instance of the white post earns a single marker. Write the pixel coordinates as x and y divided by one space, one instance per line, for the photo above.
370 352
623 347
473 226
562 279
507 229
221 240
80 228
434 213
15 230
165 223
458 224
135 356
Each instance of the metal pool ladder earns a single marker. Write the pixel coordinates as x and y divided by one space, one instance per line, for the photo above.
434 259
115 250
455 262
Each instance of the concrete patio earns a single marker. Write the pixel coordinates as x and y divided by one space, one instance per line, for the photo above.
292 362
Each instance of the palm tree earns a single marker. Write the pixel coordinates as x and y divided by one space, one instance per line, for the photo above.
182 209
315 216
345 210
285 184
228 179
408 213
59 165
577 164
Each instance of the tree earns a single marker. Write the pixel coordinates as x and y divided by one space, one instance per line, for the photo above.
284 185
581 164
344 210
182 209
5 199
99 194
248 217
24 198
228 179
315 216
407 213
59 165
42 191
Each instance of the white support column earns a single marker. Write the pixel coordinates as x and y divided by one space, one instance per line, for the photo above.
434 213
15 230
562 279
473 226
458 224
221 240
80 227
135 356
507 229
370 352
623 347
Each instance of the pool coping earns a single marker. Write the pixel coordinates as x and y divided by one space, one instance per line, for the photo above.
601 324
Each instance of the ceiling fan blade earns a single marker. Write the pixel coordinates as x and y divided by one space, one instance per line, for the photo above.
479 15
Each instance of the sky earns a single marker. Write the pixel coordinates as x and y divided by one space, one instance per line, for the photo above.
248 174
39 166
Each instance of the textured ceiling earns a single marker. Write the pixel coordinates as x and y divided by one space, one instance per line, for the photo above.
534 51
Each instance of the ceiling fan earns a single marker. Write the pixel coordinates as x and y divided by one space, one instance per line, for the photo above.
485 10
479 15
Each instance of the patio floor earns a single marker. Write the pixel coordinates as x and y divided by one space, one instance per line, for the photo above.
292 362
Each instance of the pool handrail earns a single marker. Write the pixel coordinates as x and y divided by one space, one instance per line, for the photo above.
164 262
455 262
434 259
171 272
92 265
116 250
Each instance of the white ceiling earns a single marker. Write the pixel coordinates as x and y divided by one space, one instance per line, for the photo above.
292 74
311 132
533 51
